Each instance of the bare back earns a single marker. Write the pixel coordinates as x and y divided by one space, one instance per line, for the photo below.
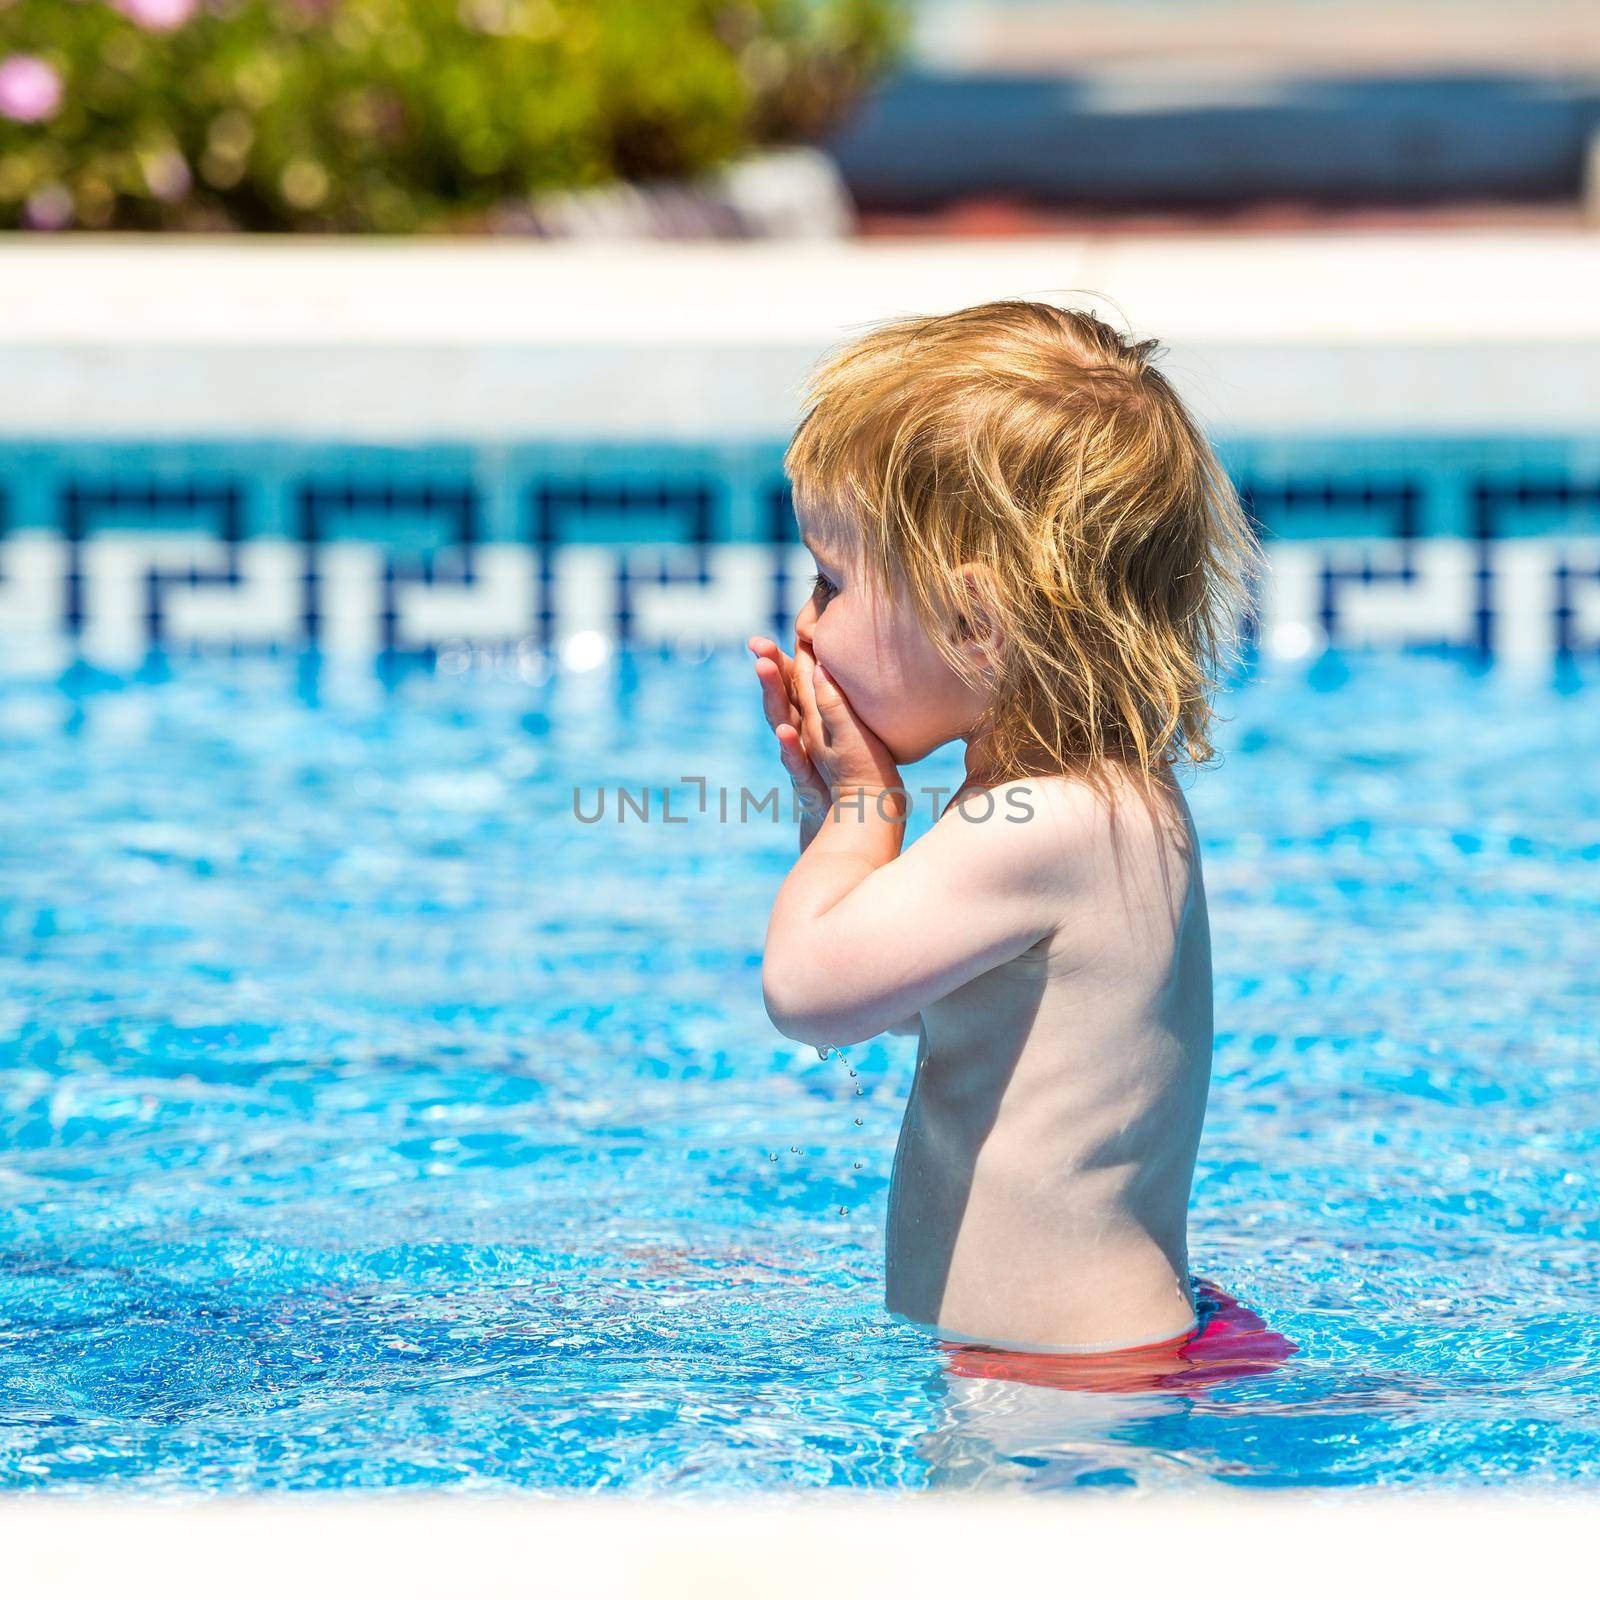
1041 1181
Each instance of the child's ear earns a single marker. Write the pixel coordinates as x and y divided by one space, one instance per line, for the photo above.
976 622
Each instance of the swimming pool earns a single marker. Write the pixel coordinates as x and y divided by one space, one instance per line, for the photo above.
370 1121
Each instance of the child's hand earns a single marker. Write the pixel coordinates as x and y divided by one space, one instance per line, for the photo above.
776 672
846 753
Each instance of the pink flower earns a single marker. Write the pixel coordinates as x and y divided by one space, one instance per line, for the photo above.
162 15
49 207
30 89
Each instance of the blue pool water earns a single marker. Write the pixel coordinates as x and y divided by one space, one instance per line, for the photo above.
368 1121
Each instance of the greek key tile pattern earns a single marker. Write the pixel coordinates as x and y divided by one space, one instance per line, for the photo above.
1487 547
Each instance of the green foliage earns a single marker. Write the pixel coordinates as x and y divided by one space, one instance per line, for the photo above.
400 116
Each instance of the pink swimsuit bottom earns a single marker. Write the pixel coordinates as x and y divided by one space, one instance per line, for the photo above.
1230 1341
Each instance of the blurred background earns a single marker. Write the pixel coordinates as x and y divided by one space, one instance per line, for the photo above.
993 116
395 395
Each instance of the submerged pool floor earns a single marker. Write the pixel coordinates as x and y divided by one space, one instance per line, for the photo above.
368 1120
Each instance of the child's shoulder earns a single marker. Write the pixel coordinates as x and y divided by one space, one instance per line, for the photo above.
1021 830
1060 823
1067 797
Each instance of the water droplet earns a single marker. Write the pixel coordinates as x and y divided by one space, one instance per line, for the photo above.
856 1165
858 1122
794 1149
844 1211
772 1155
822 1051
859 1089
852 1071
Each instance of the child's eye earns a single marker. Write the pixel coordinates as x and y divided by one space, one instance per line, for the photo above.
822 585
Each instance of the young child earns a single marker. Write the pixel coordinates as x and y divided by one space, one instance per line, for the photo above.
1023 542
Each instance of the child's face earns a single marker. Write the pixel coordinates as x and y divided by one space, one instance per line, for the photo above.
877 651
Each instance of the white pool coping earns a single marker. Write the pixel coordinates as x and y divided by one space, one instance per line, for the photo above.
379 339
832 1544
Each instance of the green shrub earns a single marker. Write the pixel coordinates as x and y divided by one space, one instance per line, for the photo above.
398 116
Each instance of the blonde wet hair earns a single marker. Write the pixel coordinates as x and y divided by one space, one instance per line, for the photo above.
1041 444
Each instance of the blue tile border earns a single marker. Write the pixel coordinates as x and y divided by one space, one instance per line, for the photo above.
1491 546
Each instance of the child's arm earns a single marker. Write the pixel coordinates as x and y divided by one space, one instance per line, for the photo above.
862 937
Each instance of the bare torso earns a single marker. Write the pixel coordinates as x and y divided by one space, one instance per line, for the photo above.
1041 1181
